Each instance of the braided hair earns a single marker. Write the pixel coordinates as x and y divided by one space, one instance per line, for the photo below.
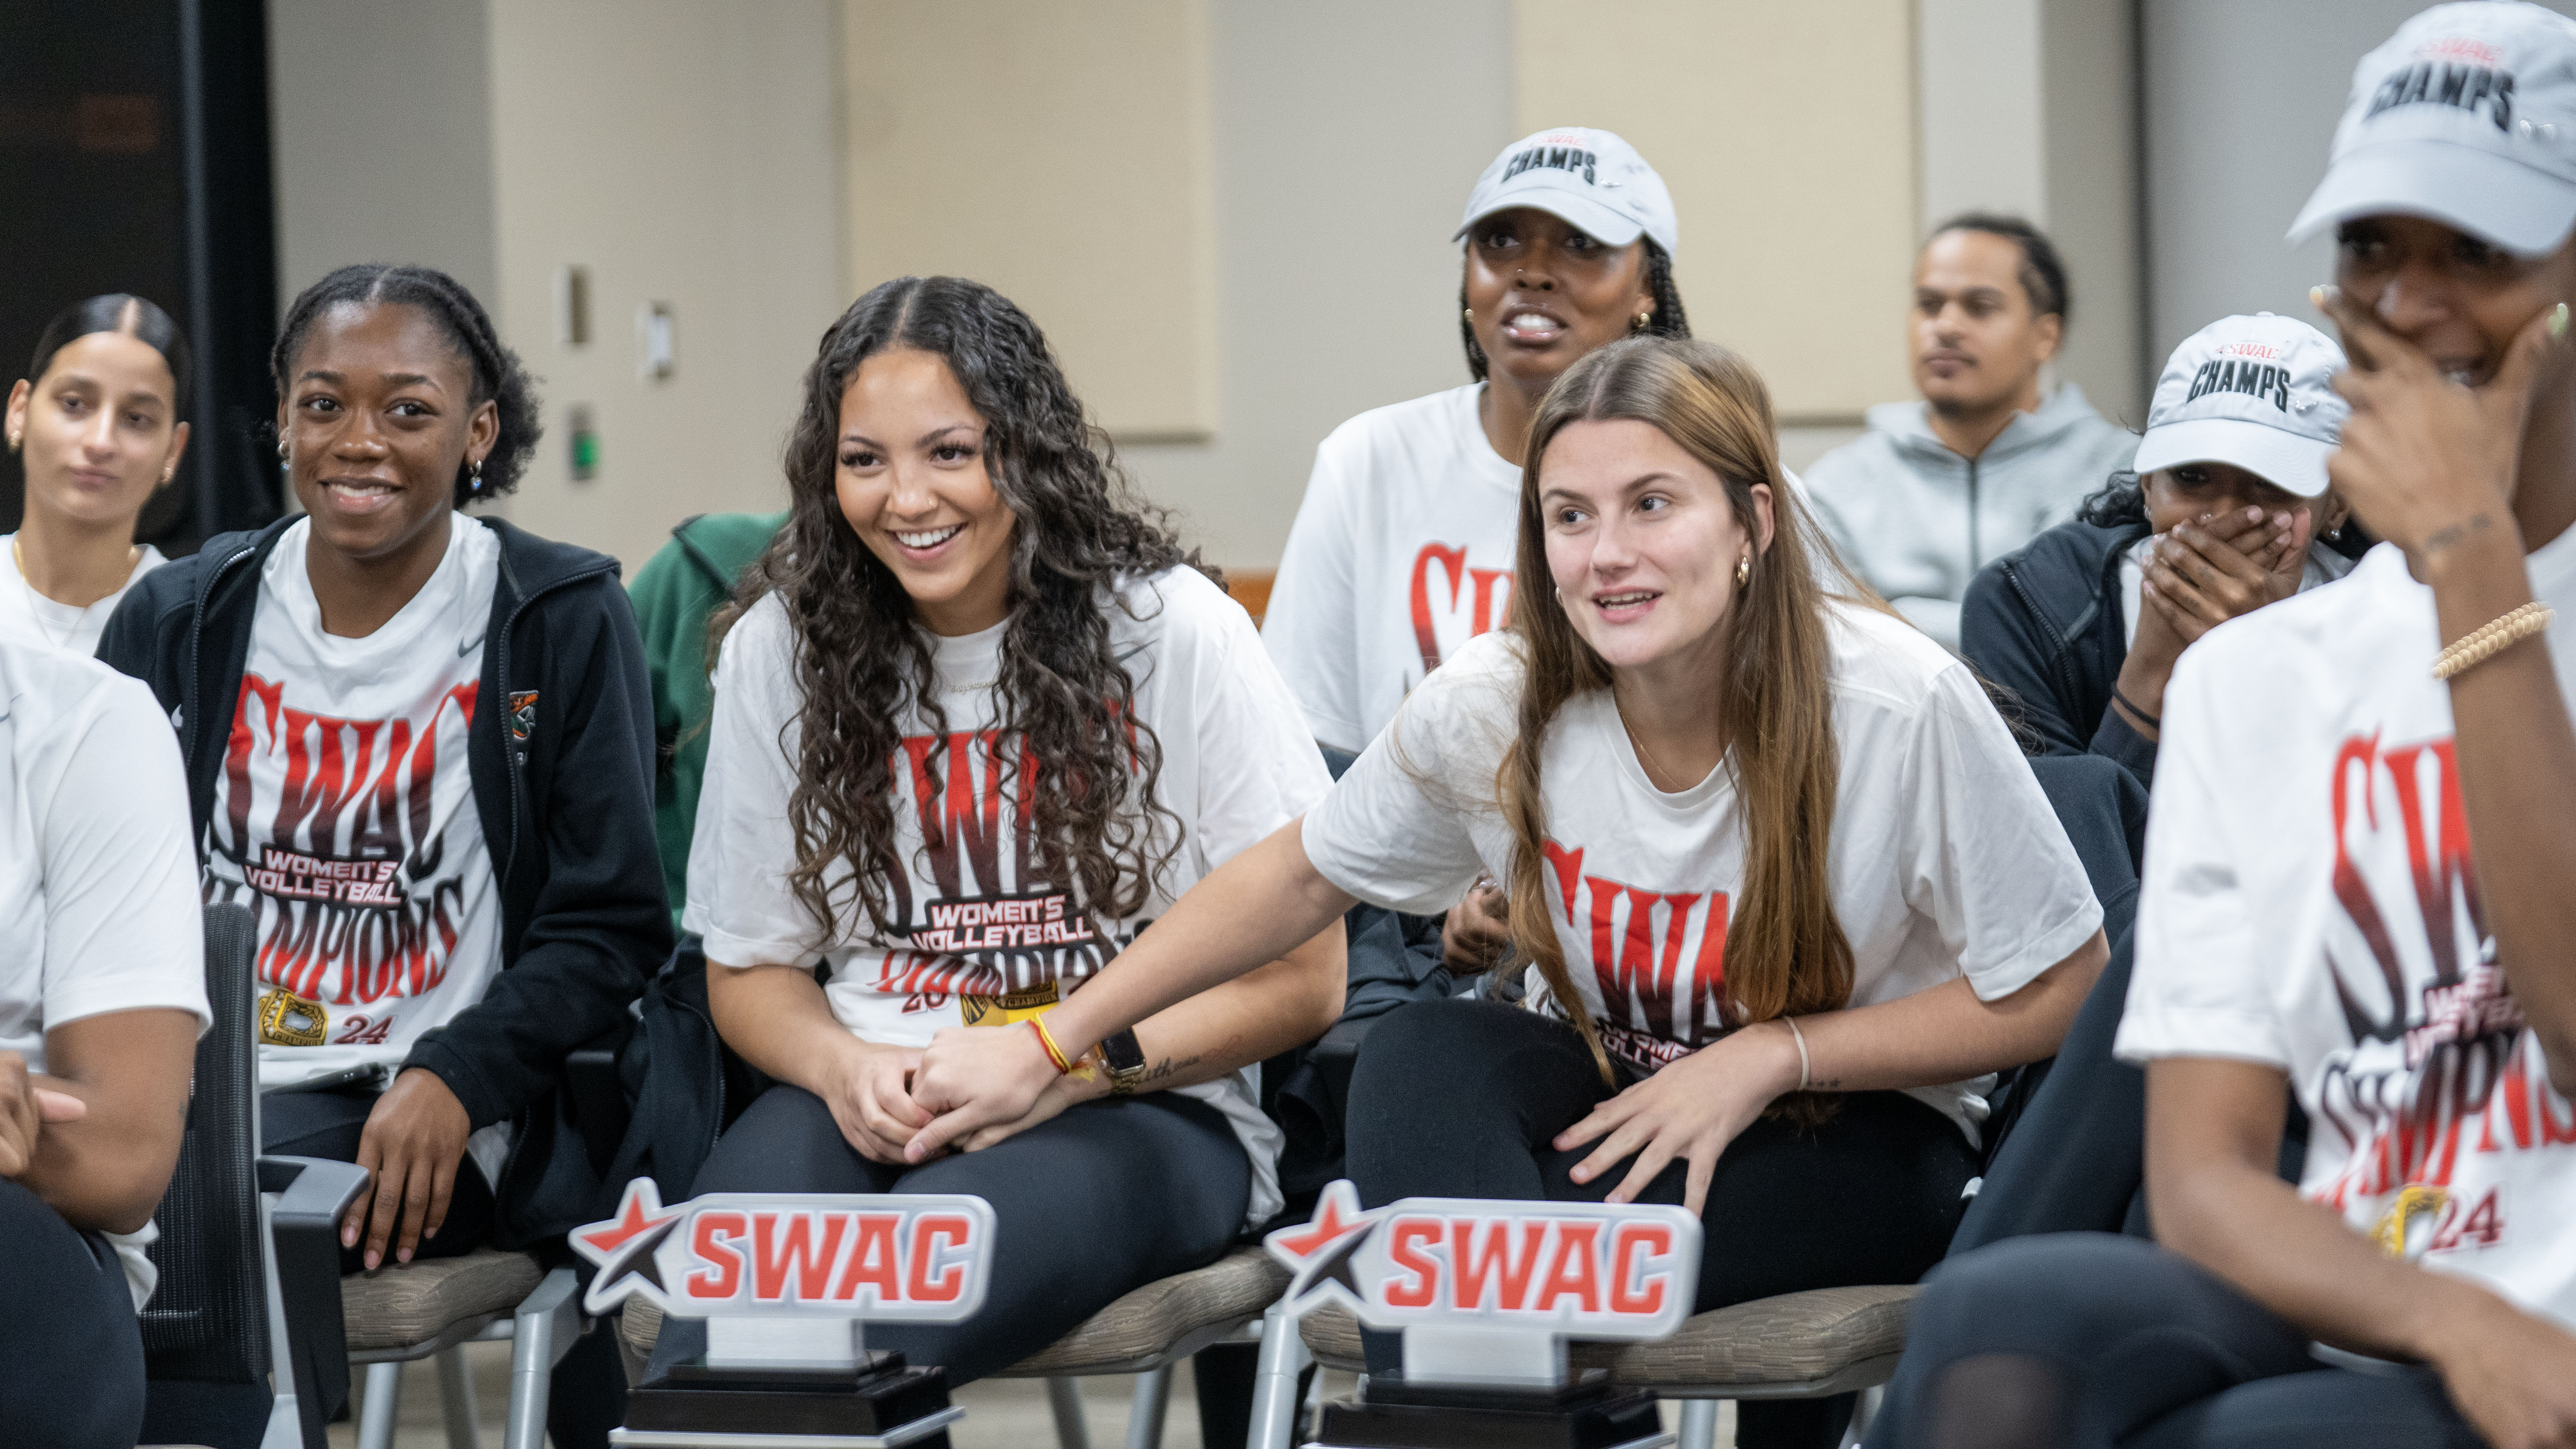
1669 320
498 376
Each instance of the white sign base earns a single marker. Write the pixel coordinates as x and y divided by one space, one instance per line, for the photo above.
1483 1354
742 1341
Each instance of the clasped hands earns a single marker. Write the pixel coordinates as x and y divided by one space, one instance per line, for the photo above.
970 1088
25 1109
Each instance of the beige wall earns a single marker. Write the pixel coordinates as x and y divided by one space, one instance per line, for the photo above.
1061 154
1346 136
383 151
687 157
1790 156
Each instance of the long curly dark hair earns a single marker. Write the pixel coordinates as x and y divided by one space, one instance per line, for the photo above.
1085 789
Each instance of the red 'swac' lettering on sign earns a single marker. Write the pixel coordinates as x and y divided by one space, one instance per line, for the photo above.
1584 1269
878 1258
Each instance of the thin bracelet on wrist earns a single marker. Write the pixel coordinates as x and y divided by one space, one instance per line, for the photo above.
2154 722
1791 1022
1055 1054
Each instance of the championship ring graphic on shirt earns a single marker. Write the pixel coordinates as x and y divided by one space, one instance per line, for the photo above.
2418 1206
523 715
286 1019
1009 1009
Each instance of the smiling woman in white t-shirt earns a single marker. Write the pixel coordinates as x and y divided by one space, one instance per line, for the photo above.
1402 550
96 423
1788 888
2357 874
979 723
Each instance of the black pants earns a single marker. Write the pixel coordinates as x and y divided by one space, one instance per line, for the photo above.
1101 1201
2095 1339
71 1359
589 1393
1461 1098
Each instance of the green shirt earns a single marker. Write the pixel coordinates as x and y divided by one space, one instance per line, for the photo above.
674 594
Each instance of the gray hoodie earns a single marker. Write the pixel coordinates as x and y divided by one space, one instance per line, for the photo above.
1916 521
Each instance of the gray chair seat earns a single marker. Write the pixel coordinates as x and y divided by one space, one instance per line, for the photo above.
422 1302
1163 1320
1798 1345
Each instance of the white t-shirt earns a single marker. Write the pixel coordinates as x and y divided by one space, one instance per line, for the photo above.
1402 551
2323 566
28 617
2310 904
97 881
990 942
344 818
1946 859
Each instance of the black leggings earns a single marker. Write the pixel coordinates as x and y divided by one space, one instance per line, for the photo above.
1104 1199
1460 1099
2095 1339
589 1392
71 1359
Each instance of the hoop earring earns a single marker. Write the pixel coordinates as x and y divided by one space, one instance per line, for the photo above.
282 449
1744 571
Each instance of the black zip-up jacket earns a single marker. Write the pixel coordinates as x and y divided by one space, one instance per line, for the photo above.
2045 623
560 752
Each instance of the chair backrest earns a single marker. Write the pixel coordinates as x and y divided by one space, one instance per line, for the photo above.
208 1320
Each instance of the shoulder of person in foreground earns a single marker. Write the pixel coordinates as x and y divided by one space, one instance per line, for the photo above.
2316 643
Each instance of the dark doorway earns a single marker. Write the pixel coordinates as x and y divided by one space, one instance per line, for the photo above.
134 155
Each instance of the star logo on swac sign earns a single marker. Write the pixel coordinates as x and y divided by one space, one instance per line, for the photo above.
623 1248
1320 1254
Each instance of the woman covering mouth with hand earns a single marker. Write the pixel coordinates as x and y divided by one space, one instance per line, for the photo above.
1402 550
1785 885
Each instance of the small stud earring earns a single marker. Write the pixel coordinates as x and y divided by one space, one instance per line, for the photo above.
1744 571
15 437
1644 319
1469 313
170 472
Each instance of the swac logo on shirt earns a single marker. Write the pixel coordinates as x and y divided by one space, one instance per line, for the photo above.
2441 1071
2458 73
1445 610
1655 1011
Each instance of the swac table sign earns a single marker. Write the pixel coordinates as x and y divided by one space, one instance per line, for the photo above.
1486 1293
784 1282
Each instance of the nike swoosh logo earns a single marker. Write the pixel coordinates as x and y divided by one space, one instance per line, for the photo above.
468 647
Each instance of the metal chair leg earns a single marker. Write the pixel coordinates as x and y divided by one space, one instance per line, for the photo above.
541 1333
1863 1414
1274 1382
383 1400
1699 1424
456 1397
1145 1421
1065 1400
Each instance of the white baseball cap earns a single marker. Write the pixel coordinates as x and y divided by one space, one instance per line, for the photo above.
2467 115
1588 178
2253 391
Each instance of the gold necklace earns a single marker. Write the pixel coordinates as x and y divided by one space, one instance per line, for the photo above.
18 557
1656 774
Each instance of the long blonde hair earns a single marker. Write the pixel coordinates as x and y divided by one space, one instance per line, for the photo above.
1785 948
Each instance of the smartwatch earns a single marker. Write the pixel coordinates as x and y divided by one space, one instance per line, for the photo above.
1123 1060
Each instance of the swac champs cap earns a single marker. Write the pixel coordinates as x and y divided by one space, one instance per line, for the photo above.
1589 178
2467 115
2253 391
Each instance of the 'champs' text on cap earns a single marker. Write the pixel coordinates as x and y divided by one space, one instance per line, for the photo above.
2256 392
1589 179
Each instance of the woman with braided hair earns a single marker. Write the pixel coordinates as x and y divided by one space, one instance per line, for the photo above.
979 721
1402 549
1786 888
419 748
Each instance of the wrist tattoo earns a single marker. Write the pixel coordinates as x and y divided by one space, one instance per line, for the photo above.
2444 538
1155 1077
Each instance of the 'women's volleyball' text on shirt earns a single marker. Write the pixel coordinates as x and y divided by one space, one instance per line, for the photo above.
1946 858
988 938
2311 903
344 815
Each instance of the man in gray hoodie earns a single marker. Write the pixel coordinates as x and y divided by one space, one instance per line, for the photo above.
1986 460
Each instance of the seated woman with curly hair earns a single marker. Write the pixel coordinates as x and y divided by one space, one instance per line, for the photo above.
980 720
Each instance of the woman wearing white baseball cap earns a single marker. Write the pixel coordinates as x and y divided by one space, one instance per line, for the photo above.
2227 508
1403 547
2358 870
